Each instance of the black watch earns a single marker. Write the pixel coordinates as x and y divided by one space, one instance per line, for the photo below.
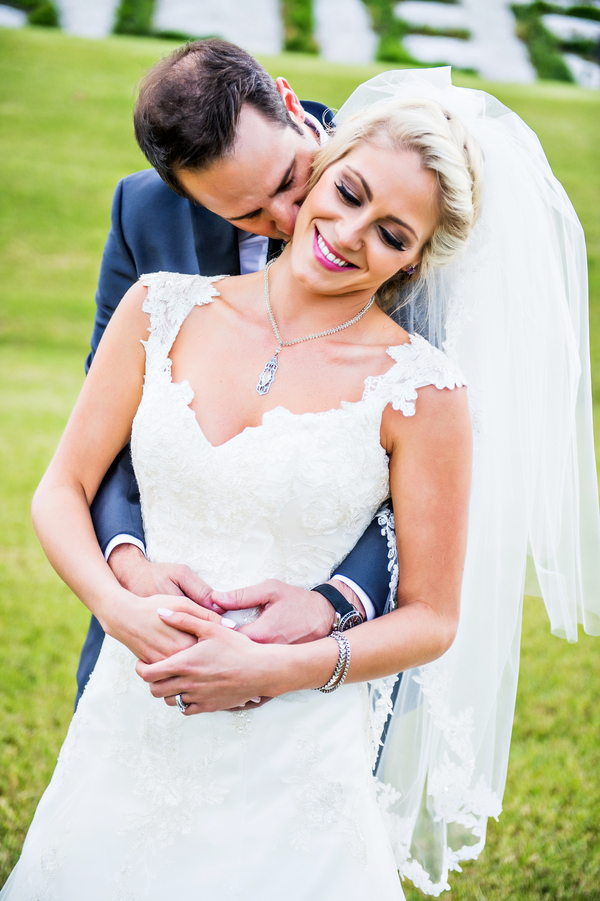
346 616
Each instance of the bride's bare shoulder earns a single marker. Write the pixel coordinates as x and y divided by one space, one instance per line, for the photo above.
389 333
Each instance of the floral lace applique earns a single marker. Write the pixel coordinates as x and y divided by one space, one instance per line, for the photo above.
385 520
418 363
381 707
170 299
449 785
243 720
320 802
51 861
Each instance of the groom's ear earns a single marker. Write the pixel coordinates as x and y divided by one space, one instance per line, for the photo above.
292 104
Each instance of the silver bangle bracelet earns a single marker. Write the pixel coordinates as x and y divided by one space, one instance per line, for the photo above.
343 664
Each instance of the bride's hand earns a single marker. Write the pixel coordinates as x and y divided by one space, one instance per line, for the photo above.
133 622
224 670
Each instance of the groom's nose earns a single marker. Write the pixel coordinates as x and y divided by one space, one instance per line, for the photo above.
284 212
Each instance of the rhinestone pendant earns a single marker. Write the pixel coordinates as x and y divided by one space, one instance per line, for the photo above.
267 376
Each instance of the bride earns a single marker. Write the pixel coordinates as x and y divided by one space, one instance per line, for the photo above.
270 415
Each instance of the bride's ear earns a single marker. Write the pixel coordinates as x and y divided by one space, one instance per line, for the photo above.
292 104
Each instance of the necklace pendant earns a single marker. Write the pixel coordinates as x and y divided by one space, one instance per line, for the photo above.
267 376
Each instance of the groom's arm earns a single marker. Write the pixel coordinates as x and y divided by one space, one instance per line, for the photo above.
116 508
366 567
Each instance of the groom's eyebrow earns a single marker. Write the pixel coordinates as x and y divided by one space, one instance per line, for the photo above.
280 187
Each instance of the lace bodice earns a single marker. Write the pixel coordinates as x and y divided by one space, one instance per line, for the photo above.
287 499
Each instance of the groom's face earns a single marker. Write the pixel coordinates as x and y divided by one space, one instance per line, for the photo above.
260 187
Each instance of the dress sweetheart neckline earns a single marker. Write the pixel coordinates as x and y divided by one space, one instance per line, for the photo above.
168 303
345 404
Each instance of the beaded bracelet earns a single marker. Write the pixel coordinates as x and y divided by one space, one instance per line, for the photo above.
341 670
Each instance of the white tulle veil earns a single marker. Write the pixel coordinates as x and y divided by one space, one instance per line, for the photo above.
513 312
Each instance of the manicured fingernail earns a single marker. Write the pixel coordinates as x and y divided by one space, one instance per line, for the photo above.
162 611
228 623
256 700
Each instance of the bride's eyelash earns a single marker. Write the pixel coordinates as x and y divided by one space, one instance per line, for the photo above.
346 195
391 240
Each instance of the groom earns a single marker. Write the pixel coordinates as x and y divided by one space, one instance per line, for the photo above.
232 152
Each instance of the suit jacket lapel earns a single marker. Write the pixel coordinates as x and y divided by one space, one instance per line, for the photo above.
274 249
215 242
319 111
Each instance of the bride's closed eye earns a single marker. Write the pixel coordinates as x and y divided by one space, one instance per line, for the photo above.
352 200
347 195
389 239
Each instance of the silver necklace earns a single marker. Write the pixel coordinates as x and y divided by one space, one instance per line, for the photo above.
267 376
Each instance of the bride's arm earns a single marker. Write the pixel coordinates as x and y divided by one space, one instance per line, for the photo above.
430 471
430 479
98 428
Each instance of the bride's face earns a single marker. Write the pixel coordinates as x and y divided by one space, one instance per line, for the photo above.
372 212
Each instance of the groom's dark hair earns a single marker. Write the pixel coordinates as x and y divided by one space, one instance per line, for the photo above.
189 104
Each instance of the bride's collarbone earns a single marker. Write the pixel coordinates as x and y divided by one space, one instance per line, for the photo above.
222 358
224 384
230 403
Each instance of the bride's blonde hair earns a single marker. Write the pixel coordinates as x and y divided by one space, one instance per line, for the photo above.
445 147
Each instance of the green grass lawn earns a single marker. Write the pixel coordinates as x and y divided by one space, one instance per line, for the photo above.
65 140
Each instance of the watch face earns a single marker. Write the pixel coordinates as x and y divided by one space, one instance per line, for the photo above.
350 620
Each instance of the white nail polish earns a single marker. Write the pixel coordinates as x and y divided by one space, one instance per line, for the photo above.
256 700
228 623
163 611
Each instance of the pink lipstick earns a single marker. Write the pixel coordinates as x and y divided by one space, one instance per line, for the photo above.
326 256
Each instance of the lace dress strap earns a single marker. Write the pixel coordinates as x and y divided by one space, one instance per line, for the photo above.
418 363
171 297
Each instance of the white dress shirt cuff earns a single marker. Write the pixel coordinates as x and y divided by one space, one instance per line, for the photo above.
362 595
129 539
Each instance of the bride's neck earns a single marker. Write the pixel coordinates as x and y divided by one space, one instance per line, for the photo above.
299 309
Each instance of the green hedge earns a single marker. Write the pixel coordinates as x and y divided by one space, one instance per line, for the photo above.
26 5
134 17
298 26
584 12
462 34
44 13
541 7
544 48
39 12
390 30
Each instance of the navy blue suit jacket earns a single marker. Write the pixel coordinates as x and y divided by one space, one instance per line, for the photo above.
154 229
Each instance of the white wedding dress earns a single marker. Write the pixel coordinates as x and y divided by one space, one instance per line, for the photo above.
262 805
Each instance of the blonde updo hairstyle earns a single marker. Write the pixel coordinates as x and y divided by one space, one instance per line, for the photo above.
445 147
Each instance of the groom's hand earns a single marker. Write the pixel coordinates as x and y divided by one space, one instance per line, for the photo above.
135 573
288 616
